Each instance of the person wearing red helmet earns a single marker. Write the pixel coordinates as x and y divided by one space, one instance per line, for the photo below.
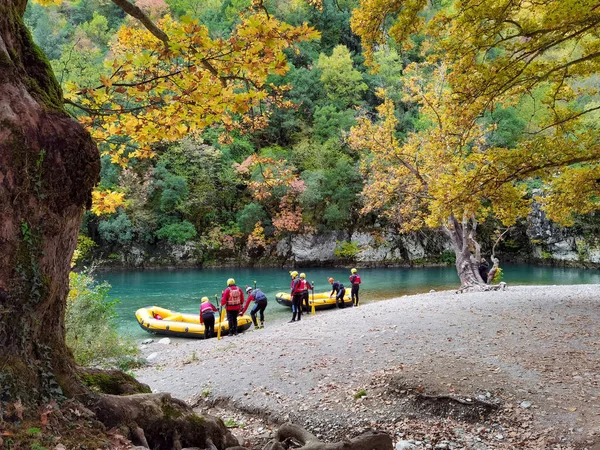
339 290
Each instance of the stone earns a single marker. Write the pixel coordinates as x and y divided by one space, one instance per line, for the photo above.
403 445
151 356
164 341
147 341
60 447
525 404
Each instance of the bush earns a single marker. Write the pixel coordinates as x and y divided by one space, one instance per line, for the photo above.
345 249
85 245
177 233
116 230
90 323
448 257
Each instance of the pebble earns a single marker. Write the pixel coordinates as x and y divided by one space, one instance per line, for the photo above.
148 341
151 356
403 445
164 341
525 404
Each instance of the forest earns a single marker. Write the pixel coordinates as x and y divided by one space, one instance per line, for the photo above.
296 169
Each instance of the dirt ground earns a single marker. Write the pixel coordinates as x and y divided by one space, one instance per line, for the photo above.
495 370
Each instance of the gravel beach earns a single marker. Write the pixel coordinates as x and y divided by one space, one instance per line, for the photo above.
518 368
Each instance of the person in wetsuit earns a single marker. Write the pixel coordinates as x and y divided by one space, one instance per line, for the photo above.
355 283
207 317
339 290
233 300
305 287
260 304
296 288
484 270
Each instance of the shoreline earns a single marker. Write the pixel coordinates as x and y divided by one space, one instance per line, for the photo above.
536 345
285 265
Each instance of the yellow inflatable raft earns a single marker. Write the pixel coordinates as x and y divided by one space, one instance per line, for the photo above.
320 300
180 324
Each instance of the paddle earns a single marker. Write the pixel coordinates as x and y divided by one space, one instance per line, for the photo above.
220 319
312 288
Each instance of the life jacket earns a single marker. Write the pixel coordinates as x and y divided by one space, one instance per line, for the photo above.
304 286
355 278
297 286
235 296
206 308
259 295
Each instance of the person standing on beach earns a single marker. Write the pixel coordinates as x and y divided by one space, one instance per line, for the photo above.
260 304
233 300
296 295
305 287
355 283
207 317
339 290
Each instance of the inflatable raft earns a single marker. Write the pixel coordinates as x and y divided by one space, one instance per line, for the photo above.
180 324
320 300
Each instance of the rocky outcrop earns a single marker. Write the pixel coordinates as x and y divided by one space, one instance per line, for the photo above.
538 238
551 242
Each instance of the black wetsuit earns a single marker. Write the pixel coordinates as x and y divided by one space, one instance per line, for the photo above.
296 301
260 304
354 289
340 291
484 269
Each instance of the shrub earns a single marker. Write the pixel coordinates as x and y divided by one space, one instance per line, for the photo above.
90 323
344 249
116 230
448 257
497 276
177 233
84 248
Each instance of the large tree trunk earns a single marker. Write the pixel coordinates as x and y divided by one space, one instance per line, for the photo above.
468 253
48 167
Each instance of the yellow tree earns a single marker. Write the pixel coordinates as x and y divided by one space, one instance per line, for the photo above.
480 56
164 82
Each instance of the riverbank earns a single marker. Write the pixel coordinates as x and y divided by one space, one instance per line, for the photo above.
509 369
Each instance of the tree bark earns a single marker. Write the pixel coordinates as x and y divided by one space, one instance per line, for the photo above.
468 255
48 167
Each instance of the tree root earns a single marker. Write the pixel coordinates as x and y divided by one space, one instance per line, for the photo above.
159 421
293 436
481 287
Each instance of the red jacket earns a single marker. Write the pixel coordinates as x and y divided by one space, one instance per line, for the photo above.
245 308
206 306
228 299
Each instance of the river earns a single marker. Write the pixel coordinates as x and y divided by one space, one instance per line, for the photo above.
180 290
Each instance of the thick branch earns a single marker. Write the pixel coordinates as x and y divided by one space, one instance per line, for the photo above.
140 15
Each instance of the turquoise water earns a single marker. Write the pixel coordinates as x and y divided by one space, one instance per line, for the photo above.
180 290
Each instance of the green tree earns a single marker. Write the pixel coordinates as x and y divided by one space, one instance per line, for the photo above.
343 83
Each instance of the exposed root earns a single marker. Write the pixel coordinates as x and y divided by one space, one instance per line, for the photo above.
481 287
162 422
293 436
